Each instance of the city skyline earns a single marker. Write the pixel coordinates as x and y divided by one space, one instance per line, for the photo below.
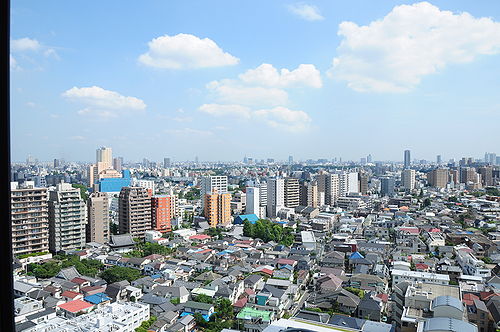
297 83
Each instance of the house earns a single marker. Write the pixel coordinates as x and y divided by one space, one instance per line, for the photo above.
122 243
205 309
368 282
117 291
98 299
370 307
73 308
333 259
253 319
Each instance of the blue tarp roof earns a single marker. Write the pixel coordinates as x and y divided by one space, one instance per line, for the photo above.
356 255
242 217
97 298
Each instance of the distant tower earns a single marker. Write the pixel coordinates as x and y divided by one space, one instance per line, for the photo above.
290 160
104 155
166 162
369 159
407 161
438 159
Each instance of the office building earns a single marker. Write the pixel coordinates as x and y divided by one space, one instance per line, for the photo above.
67 219
387 186
275 196
439 160
118 164
29 218
166 163
97 229
217 208
408 179
161 213
407 160
134 211
210 184
369 159
438 177
291 192
290 160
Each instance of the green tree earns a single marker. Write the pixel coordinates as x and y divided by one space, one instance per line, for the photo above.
45 270
83 190
204 298
113 228
119 273
224 308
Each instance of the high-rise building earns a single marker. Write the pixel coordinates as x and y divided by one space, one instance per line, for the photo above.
253 201
67 219
329 184
166 162
468 175
290 160
161 213
352 182
29 218
387 186
104 155
210 184
369 159
408 179
407 161
438 177
134 211
309 194
275 196
217 208
57 163
363 183
291 192
486 175
97 228
118 164
439 160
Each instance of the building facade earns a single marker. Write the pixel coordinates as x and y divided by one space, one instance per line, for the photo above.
97 229
134 211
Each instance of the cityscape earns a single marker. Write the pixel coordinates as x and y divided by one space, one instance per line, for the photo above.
254 166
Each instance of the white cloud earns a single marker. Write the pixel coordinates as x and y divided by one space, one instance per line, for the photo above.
25 44
13 63
218 110
394 54
306 12
284 118
99 97
185 51
267 75
233 92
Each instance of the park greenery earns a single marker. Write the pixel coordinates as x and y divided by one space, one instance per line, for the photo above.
143 249
267 231
119 273
221 319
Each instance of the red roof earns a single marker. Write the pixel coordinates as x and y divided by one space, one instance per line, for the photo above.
75 306
199 237
421 266
78 280
267 271
286 261
241 302
410 230
435 230
70 294
249 291
469 298
203 251
383 297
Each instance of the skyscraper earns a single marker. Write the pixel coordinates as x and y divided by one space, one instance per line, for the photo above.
407 161
67 219
29 218
217 208
369 158
117 164
166 162
104 155
290 160
387 186
134 211
97 228
438 159
253 201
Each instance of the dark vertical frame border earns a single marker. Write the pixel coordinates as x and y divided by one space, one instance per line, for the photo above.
7 298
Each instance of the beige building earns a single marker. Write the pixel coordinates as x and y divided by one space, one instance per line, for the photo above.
438 177
291 192
217 208
29 218
98 218
309 194
408 179
134 211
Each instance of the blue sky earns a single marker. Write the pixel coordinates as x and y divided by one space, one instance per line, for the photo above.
265 79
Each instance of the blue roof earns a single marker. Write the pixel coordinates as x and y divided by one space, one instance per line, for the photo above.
185 313
156 276
356 255
97 298
242 217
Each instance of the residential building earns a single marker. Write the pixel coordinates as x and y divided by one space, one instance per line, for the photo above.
217 208
253 202
407 159
134 211
97 229
387 186
211 183
67 219
275 196
291 194
438 177
161 213
29 218
408 179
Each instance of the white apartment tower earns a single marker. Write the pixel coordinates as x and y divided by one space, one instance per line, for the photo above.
211 183
408 179
253 201
275 196
67 219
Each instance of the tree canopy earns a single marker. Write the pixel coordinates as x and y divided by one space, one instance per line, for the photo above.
119 273
267 231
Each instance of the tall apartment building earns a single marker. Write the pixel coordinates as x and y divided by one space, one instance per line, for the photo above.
363 183
134 211
253 201
118 164
275 196
97 229
29 218
166 162
291 195
407 160
67 219
104 164
408 179
105 155
309 194
217 208
263 194
387 186
210 184
468 175
330 185
161 213
438 177
486 175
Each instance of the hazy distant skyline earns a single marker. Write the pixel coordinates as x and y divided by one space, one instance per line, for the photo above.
265 79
